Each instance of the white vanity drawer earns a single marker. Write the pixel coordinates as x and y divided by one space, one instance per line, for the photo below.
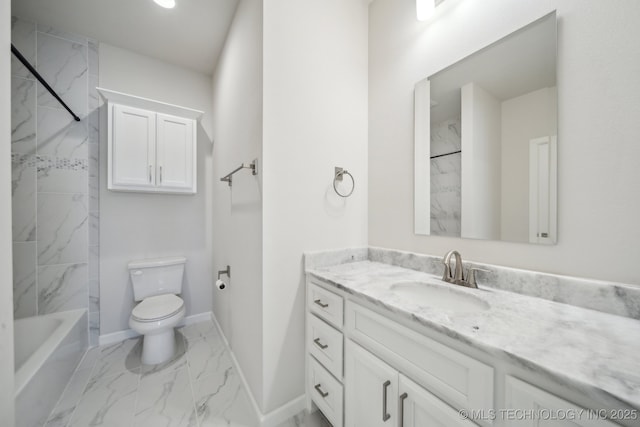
326 344
326 392
325 304
458 379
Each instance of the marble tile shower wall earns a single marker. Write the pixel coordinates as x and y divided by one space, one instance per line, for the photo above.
446 178
55 174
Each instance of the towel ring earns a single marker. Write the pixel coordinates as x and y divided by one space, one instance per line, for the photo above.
339 174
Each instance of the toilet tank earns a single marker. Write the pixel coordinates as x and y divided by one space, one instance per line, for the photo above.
156 276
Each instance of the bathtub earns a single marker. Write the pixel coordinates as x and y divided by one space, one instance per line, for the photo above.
48 349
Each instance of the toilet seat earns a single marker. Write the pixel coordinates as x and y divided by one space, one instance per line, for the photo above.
156 308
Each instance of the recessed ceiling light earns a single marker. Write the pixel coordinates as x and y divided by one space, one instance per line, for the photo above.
169 4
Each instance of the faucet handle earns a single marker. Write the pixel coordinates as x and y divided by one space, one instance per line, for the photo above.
471 276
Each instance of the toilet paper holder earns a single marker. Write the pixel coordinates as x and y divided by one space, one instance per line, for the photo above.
227 271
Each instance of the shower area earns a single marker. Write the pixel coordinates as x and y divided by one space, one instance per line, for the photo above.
56 212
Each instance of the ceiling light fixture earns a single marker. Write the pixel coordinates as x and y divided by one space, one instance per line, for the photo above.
168 4
424 9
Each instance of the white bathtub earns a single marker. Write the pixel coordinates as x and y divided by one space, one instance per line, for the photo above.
48 349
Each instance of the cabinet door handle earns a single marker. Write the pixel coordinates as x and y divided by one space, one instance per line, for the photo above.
385 415
319 344
321 304
319 390
403 396
150 169
160 174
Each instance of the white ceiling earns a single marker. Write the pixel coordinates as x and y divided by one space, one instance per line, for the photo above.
191 35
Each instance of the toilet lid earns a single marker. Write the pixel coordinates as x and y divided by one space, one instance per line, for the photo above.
157 308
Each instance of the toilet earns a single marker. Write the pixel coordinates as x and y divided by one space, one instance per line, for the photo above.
156 284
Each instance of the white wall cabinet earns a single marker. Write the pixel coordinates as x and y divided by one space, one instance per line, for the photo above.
133 148
152 146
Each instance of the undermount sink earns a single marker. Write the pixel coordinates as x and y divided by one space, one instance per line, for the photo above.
439 296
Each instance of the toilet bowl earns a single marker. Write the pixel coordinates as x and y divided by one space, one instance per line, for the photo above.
155 318
156 285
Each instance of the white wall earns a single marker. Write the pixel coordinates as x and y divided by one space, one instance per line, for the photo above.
532 115
6 274
137 225
598 130
315 118
481 163
237 213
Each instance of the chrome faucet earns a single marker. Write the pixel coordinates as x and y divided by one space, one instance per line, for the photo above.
458 277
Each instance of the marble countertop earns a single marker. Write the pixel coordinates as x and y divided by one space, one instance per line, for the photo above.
594 353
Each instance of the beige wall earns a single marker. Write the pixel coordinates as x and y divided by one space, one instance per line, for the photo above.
6 277
598 129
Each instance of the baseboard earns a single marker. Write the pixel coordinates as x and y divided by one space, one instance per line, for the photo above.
116 337
283 413
275 417
236 365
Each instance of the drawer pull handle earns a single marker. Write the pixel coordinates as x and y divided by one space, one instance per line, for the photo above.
385 414
403 396
319 390
321 304
319 344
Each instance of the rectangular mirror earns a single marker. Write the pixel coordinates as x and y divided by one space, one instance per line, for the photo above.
486 142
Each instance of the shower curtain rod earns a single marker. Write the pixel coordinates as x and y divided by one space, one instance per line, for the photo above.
37 75
447 154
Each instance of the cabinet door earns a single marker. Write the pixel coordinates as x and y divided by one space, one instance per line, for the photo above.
176 153
132 149
419 408
371 389
529 406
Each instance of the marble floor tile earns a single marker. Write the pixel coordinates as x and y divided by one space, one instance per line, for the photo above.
304 419
166 400
199 330
89 359
117 358
199 387
177 362
107 401
206 358
222 401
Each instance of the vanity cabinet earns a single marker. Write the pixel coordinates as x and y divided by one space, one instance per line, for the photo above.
365 369
151 146
377 395
325 352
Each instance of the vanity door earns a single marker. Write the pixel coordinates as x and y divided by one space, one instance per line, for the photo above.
371 389
419 408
